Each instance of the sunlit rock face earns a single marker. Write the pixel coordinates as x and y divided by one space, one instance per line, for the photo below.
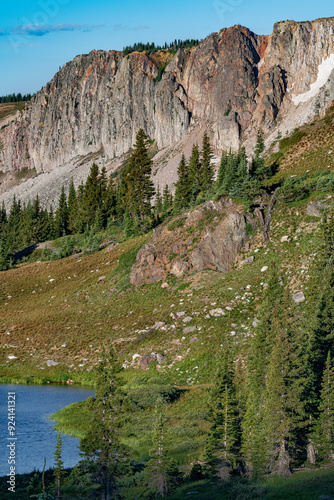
234 82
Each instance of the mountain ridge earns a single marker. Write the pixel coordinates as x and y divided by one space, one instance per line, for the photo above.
233 83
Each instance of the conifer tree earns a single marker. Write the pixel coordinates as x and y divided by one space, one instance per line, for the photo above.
253 432
159 464
72 205
109 202
91 196
195 172
104 454
222 169
137 177
231 174
324 434
52 230
58 470
207 172
183 189
158 202
283 408
223 444
13 227
167 199
262 341
62 214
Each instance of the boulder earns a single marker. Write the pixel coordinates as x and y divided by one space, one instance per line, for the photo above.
264 268
189 329
219 250
148 274
193 339
146 360
158 324
195 216
298 297
313 209
179 268
285 238
51 362
249 260
217 312
161 359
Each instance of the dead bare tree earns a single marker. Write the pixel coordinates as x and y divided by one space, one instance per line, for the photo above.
265 219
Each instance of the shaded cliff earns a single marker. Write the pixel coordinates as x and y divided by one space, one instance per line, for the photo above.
233 82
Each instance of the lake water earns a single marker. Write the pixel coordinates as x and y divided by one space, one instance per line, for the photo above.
34 433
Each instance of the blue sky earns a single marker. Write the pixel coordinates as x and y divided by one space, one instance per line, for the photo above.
38 36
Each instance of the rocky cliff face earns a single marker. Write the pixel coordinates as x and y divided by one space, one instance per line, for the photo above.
233 83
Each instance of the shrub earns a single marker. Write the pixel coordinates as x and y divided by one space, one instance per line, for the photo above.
294 189
146 397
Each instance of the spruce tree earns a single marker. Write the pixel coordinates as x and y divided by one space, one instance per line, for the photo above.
62 215
101 447
222 169
72 205
159 464
167 199
158 202
231 174
207 172
109 202
283 407
223 444
137 177
91 197
253 432
324 434
58 470
195 172
183 189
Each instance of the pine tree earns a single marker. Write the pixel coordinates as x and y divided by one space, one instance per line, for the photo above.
262 341
195 172
324 434
258 169
183 190
101 447
283 408
223 444
231 174
72 205
159 464
259 147
222 169
207 172
58 470
167 199
158 202
253 433
109 203
62 215
137 177
91 197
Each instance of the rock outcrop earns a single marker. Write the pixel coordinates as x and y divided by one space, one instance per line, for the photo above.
212 245
219 250
233 82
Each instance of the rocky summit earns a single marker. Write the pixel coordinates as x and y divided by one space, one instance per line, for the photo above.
233 83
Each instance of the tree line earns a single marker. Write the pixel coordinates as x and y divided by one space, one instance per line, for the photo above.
151 48
130 200
15 97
